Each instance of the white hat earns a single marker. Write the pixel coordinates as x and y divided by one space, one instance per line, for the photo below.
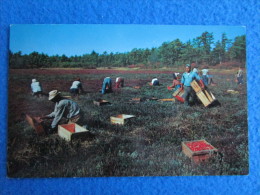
53 94
34 80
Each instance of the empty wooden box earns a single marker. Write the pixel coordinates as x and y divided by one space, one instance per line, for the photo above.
72 131
121 118
205 96
198 150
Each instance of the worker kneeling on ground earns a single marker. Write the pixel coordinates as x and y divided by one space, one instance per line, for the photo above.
119 82
107 85
186 80
64 108
176 84
155 82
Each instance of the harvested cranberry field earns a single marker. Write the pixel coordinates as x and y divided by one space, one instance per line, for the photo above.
150 145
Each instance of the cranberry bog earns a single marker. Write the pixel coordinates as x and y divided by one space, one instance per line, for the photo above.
148 146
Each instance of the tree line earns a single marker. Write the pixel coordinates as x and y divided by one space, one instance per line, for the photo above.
200 50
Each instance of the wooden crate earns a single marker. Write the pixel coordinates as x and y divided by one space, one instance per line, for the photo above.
134 101
232 91
205 96
198 150
35 123
121 119
200 158
167 100
72 131
152 99
194 84
178 94
101 102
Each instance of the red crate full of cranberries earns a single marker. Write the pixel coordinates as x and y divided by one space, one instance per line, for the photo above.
198 150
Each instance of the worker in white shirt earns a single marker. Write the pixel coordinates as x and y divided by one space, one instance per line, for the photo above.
36 88
155 82
119 82
76 88
205 77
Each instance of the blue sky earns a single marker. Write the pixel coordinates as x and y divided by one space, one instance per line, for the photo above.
78 39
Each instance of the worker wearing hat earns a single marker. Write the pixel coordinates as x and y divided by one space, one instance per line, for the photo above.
64 108
186 80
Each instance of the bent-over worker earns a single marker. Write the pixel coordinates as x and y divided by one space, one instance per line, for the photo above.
76 88
240 76
36 88
107 85
119 82
205 76
176 84
155 82
64 108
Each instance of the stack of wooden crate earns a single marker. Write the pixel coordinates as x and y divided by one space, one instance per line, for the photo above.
205 96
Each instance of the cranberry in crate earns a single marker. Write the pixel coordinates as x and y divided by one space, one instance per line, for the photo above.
198 150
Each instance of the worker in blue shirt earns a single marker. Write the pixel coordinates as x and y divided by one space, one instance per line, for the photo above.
186 80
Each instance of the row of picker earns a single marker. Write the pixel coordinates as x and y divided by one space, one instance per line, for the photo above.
197 150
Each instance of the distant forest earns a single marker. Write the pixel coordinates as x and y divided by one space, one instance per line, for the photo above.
201 50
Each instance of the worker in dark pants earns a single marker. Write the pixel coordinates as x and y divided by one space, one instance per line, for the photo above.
186 80
76 88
